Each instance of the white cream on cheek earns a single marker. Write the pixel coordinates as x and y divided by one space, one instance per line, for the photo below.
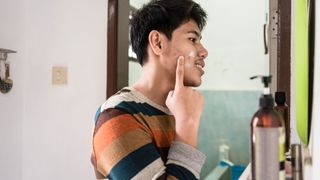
192 54
188 59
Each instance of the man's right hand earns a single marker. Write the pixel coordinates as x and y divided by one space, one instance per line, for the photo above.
186 104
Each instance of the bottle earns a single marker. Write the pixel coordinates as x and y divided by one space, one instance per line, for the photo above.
267 139
283 109
296 157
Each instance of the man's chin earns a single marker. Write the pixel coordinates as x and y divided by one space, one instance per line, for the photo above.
192 83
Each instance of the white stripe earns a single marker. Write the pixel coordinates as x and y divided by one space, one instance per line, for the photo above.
152 171
142 98
133 95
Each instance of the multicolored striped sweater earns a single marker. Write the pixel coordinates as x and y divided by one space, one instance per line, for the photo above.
134 139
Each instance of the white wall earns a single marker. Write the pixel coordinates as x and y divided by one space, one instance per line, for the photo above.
12 36
46 129
316 101
234 39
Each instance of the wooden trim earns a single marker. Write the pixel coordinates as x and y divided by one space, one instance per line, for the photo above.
284 49
112 47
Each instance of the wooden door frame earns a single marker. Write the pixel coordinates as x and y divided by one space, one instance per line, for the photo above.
284 58
117 46
112 44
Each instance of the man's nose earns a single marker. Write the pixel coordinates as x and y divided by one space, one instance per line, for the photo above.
203 53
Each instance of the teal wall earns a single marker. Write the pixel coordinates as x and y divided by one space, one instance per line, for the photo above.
226 119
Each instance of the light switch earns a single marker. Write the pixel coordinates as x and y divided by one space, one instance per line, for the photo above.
59 75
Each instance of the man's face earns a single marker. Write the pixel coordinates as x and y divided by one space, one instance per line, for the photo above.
185 42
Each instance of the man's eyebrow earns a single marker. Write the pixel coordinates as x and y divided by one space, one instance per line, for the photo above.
195 33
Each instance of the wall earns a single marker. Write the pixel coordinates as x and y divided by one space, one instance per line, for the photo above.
12 36
226 120
234 39
315 132
46 129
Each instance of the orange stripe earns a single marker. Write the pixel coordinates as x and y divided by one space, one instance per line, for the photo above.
113 129
157 122
170 177
163 138
121 147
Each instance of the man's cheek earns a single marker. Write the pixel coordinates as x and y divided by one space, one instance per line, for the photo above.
192 54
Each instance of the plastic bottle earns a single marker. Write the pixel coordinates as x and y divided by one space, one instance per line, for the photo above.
267 139
283 109
296 155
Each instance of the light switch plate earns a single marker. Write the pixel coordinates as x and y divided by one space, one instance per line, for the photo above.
59 75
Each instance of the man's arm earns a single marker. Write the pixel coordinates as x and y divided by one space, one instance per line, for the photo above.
186 104
123 149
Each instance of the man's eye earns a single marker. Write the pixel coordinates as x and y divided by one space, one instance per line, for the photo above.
193 39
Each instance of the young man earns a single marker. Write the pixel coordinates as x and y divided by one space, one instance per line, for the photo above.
150 130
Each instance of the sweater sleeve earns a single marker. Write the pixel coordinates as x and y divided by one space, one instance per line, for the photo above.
123 148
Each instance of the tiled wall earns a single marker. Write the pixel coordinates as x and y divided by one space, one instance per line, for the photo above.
226 119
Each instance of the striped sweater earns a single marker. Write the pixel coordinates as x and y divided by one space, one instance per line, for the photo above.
134 139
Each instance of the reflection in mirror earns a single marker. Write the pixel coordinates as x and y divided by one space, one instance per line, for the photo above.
233 37
134 66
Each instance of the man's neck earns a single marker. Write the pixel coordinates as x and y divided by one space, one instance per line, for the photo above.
154 84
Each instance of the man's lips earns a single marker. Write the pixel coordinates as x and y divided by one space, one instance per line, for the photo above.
200 65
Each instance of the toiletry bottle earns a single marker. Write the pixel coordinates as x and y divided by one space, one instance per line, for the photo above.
296 158
283 109
267 139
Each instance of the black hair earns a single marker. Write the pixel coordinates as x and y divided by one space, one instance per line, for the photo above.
164 16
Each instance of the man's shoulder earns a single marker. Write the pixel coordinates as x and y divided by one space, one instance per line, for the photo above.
133 102
126 100
111 105
123 95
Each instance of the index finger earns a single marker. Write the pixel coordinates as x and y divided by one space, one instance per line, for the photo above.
179 73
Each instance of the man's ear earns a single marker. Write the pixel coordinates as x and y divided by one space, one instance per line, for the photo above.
155 42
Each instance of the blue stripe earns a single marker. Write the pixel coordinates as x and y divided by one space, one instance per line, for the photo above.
134 108
97 115
179 172
130 165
